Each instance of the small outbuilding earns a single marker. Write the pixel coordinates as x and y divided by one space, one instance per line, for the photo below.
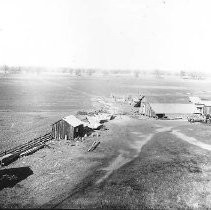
67 128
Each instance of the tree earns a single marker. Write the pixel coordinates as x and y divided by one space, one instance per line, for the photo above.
136 74
157 74
6 69
182 73
78 72
90 72
70 71
105 73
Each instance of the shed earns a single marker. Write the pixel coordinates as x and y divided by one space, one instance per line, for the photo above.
67 128
146 109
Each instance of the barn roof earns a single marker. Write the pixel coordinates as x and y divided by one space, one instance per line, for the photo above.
72 120
169 99
173 108
207 103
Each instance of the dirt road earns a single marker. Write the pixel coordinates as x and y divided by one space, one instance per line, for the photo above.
138 164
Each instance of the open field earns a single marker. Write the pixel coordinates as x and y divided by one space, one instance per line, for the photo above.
138 164
28 105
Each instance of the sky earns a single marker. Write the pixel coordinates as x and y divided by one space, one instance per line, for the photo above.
171 35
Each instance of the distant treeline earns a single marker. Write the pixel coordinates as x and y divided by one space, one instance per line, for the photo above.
159 74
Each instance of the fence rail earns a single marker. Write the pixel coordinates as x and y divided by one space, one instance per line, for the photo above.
28 145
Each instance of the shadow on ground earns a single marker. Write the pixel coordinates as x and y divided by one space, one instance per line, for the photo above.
166 174
10 177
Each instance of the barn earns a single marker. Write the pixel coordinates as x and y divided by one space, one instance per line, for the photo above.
146 109
202 106
67 128
151 108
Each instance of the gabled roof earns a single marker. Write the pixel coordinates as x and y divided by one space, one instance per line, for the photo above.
173 108
207 103
72 120
168 98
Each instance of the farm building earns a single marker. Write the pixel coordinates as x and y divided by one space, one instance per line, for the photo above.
67 128
199 104
202 107
146 109
151 108
207 107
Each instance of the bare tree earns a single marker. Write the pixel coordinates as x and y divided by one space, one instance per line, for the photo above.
78 72
136 73
182 73
90 72
157 74
6 69
105 73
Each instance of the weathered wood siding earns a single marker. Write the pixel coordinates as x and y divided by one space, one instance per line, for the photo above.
146 110
78 131
61 129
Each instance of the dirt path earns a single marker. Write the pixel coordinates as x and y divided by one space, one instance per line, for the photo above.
191 140
125 155
129 150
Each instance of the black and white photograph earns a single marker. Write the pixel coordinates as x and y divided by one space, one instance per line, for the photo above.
105 104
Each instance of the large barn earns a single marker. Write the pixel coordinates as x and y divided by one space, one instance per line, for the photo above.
67 128
149 107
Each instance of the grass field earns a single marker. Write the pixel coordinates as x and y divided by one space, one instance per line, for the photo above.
28 105
168 173
138 164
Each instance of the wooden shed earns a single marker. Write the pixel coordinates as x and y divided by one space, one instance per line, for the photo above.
67 128
145 108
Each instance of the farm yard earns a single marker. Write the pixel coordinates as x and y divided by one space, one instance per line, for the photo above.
105 104
26 113
156 163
